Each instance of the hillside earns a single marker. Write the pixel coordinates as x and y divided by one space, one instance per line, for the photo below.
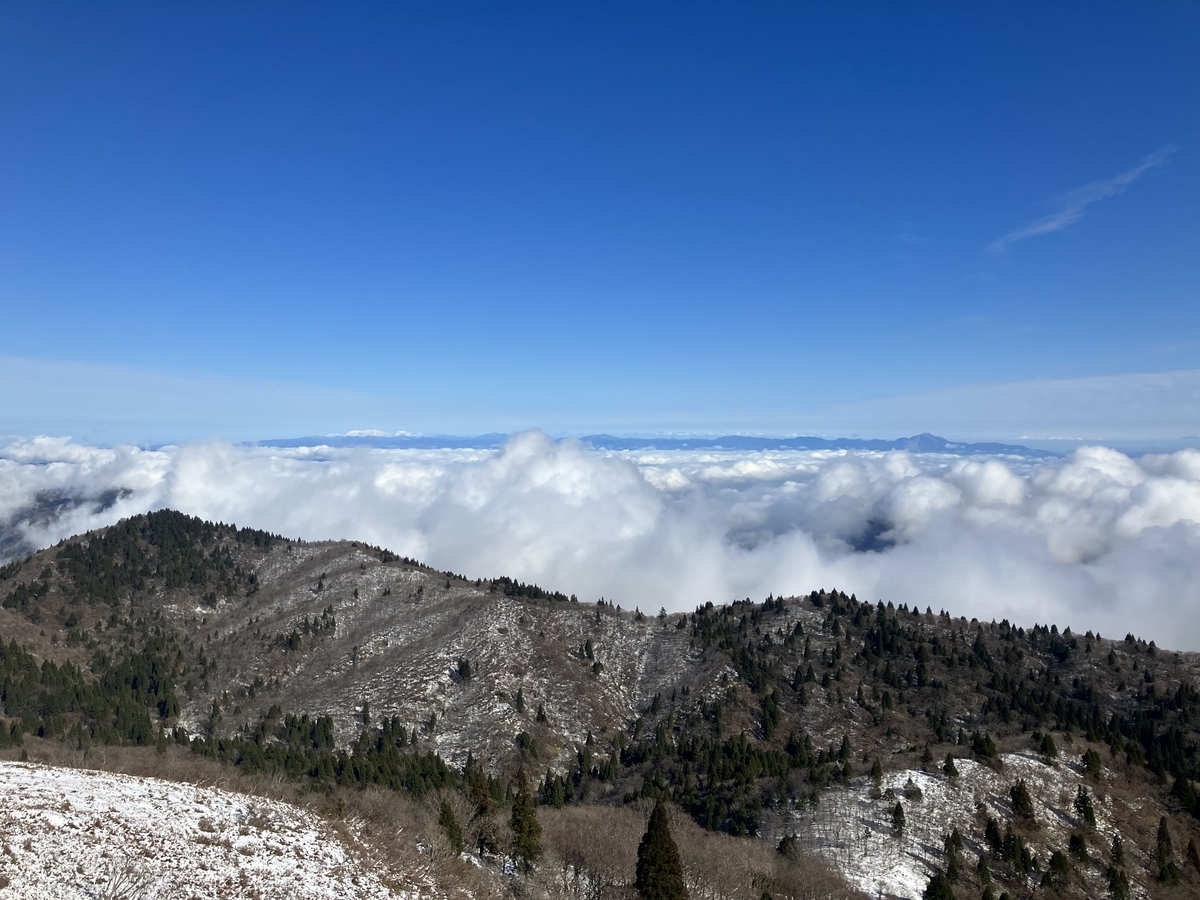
70 833
799 720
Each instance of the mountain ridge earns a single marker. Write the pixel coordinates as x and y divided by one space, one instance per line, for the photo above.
808 718
920 443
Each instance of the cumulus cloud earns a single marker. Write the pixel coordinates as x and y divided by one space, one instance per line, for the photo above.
1097 540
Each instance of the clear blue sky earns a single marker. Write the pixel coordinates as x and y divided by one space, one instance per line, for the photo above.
645 216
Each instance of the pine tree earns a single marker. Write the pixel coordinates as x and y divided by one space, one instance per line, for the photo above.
1021 801
1083 806
898 818
659 871
450 827
939 887
1168 872
481 797
526 829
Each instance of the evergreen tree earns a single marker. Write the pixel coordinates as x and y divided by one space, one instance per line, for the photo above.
939 887
1118 883
450 827
1083 806
484 827
526 829
984 870
1021 801
659 871
1168 872
898 818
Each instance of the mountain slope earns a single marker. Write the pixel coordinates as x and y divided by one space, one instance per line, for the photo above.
342 664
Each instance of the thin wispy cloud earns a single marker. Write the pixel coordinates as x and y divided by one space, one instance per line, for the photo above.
1076 202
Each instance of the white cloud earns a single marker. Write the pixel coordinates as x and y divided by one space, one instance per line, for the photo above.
1076 202
1098 540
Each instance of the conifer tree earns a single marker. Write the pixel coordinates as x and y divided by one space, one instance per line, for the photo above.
1168 872
526 829
659 871
939 887
898 818
481 798
450 827
1084 807
1021 801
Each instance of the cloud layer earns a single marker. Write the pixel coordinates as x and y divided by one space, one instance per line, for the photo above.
1098 540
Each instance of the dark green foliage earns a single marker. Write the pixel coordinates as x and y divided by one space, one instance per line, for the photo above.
1092 764
983 869
1014 850
20 597
772 713
1047 747
1077 847
991 834
1059 869
984 747
1118 883
112 708
450 828
1168 871
511 588
949 768
1022 802
898 818
1084 808
525 827
788 846
939 887
182 551
1118 851
951 846
659 871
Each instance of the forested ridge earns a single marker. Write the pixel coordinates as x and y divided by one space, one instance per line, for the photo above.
807 693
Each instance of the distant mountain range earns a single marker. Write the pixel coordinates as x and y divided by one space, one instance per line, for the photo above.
921 443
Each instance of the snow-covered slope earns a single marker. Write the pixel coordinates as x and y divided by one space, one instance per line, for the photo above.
67 833
852 826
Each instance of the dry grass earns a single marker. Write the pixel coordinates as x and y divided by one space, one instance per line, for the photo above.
592 854
591 851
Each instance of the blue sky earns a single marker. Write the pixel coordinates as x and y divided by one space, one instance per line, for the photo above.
249 220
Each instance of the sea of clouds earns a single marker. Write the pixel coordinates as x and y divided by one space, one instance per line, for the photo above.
1097 541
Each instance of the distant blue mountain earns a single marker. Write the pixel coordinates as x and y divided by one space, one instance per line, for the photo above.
921 443
392 442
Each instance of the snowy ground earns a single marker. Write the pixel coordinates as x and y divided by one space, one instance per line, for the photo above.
68 833
853 830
